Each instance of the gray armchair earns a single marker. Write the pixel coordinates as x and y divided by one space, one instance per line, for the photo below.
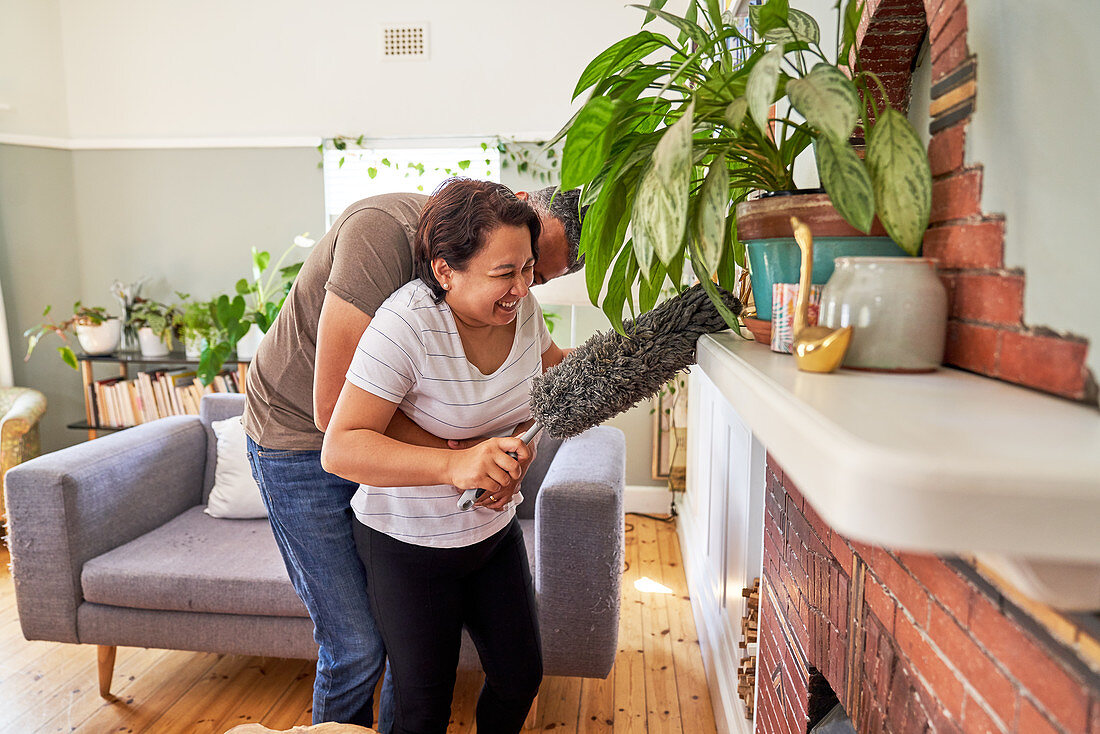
110 546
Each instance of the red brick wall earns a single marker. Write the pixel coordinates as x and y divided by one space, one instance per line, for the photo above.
909 643
987 332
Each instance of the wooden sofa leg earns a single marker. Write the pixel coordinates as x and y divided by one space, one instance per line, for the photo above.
106 654
532 715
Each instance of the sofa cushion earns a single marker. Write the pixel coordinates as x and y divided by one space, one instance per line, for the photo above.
196 563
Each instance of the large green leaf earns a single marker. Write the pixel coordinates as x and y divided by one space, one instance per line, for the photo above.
827 99
845 178
760 89
618 286
901 178
617 57
710 219
853 14
597 236
587 143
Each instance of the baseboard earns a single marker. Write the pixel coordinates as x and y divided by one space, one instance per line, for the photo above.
647 499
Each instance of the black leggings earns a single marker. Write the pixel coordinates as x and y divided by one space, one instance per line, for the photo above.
421 598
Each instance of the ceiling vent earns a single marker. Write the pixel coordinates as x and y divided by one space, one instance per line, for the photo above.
405 42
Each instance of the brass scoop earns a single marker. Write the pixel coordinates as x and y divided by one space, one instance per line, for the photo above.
816 348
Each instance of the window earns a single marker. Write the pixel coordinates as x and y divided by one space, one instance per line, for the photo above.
390 166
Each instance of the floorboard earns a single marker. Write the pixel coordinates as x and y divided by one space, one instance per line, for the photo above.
657 685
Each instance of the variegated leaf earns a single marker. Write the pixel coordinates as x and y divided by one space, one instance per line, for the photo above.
827 99
672 163
735 112
803 27
845 179
760 88
710 219
901 178
645 202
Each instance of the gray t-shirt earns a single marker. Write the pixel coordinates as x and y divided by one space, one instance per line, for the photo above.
363 259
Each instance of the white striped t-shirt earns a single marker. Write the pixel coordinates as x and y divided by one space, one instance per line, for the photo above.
412 355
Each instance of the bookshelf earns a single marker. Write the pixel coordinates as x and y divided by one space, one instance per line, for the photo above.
126 365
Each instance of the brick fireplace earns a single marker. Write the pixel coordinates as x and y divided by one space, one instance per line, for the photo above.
906 642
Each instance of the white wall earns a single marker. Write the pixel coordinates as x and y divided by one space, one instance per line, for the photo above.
1034 128
32 84
209 68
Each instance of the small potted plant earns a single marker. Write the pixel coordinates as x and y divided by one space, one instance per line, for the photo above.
156 324
96 331
196 326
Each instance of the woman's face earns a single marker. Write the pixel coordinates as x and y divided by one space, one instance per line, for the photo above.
488 291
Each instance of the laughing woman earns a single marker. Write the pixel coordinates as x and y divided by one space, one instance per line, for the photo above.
455 350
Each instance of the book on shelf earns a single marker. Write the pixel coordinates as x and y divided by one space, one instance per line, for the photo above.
120 403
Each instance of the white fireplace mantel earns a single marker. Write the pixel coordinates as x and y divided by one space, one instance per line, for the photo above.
947 462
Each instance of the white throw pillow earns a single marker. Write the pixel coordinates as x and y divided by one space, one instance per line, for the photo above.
235 494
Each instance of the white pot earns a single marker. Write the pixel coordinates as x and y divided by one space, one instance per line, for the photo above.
99 338
249 343
151 344
193 346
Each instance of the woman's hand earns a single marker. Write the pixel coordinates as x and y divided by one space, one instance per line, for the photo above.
488 466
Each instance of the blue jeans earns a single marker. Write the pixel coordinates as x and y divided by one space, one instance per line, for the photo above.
310 514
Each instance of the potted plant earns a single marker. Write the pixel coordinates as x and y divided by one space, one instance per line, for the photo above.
196 326
156 325
96 330
267 294
241 325
671 146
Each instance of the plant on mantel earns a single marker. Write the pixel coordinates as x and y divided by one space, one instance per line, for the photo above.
666 148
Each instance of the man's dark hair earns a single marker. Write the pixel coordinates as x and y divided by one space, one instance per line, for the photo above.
457 218
565 207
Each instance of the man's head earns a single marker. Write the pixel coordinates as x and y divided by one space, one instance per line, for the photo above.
559 242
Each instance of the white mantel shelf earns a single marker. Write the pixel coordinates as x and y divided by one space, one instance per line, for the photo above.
947 462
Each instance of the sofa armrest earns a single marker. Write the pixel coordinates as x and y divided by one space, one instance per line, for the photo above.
579 553
72 505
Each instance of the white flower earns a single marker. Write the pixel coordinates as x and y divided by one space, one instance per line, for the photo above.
303 240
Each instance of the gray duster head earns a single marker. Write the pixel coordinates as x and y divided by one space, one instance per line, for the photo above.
610 372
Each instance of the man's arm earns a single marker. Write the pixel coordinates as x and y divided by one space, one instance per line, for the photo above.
338 332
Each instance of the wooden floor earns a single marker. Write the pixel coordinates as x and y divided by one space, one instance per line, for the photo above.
657 684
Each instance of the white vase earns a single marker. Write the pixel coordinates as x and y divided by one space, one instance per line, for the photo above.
249 343
151 344
99 338
193 346
897 308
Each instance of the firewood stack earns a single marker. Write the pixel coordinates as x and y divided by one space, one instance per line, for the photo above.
750 623
746 683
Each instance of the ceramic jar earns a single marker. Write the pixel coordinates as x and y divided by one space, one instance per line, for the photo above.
99 338
897 307
151 344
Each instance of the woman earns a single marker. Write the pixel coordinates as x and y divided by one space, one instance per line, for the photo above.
455 350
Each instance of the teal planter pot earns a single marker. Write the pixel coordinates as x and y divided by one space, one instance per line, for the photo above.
777 260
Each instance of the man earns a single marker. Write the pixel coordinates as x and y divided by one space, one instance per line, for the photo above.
293 384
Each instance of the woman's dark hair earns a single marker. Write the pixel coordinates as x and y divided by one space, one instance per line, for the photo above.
456 220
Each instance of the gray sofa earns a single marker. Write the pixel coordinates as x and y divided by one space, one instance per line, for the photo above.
110 546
